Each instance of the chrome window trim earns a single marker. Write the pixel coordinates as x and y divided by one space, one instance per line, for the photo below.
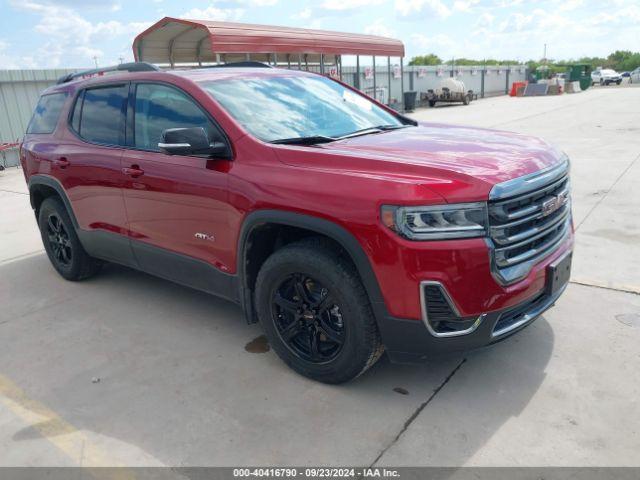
454 309
530 182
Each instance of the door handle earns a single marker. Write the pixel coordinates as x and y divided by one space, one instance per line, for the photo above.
62 162
133 171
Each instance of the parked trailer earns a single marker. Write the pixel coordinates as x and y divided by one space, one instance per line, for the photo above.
450 91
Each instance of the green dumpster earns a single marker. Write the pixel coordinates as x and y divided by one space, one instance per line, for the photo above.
579 72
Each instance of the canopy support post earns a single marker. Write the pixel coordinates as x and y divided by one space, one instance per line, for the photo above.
299 61
199 51
322 64
306 61
275 59
247 57
389 82
172 41
356 80
402 82
289 61
339 61
375 91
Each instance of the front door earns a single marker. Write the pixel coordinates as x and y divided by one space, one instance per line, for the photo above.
176 205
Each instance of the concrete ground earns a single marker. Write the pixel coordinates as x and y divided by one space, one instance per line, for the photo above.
128 369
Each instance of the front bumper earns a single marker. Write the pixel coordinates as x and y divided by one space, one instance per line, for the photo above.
408 341
500 311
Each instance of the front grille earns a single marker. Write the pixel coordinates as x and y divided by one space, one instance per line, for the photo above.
518 315
525 226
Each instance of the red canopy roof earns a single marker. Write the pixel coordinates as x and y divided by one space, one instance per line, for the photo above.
174 40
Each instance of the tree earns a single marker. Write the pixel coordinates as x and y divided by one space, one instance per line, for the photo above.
620 60
429 59
624 60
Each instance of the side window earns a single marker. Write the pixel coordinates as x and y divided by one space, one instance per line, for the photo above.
98 115
159 107
45 117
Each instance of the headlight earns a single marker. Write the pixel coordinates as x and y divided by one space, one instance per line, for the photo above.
462 220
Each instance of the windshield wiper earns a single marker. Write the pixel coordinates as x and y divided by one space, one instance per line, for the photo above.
369 130
316 139
311 140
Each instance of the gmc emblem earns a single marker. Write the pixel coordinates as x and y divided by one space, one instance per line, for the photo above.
552 204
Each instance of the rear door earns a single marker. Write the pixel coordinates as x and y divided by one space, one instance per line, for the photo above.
177 205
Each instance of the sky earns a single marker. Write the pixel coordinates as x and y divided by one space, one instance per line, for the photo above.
70 33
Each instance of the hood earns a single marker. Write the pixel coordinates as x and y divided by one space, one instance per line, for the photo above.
491 155
439 154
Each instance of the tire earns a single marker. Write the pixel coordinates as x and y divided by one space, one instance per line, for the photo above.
432 103
465 100
338 311
618 82
61 242
602 82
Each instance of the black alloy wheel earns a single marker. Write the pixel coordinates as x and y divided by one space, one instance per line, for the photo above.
307 318
59 240
316 313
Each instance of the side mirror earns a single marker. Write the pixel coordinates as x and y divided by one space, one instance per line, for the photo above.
191 141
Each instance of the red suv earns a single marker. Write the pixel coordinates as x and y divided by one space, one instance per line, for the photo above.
343 227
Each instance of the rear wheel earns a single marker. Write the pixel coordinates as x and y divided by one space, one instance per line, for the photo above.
316 313
465 100
432 103
61 242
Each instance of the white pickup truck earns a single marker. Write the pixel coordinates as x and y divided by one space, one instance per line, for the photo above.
605 76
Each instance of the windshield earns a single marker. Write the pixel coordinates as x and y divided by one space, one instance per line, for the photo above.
277 108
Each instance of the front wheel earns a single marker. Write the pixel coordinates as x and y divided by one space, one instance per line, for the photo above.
316 314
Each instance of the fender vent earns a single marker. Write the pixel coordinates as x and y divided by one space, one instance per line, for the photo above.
437 306
441 316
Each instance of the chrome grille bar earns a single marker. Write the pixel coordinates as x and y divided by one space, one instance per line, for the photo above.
528 218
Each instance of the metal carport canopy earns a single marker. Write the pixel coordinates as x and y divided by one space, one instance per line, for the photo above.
175 40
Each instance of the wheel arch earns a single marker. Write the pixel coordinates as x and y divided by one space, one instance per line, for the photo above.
42 187
261 219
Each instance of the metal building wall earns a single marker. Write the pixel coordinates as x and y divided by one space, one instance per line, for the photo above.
19 93
496 79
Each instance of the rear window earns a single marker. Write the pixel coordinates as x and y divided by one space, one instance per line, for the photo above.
45 117
98 115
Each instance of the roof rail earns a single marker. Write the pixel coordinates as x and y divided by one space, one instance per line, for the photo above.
245 64
123 67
